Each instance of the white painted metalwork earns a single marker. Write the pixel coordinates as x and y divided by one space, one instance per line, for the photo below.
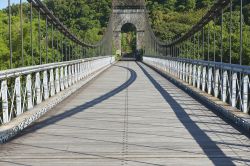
45 85
18 96
230 83
29 92
5 106
35 84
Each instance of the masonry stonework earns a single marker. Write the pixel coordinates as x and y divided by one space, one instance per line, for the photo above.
136 17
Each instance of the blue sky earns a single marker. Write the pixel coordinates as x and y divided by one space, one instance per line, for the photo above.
4 3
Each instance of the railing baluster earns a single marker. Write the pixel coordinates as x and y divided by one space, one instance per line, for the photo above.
234 89
29 92
210 75
190 73
61 79
199 77
66 82
245 93
82 70
216 83
204 78
187 72
38 88
18 96
70 75
194 75
224 89
52 82
181 70
57 81
5 105
184 71
45 85
76 72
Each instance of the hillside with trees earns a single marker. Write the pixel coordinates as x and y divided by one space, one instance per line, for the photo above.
88 20
172 18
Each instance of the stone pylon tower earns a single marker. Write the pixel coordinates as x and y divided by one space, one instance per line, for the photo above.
129 11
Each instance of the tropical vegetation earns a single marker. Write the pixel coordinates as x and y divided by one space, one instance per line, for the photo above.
88 20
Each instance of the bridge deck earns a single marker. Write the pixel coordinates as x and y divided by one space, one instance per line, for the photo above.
129 115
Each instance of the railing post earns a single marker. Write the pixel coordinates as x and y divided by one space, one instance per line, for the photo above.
175 69
162 65
184 71
61 79
245 93
90 67
181 70
178 70
187 72
210 75
52 83
38 88
45 85
199 78
29 91
5 106
87 68
18 96
190 73
216 83
234 90
204 76
170 66
66 82
84 69
194 75
57 82
70 75
79 71
224 91
165 66
76 72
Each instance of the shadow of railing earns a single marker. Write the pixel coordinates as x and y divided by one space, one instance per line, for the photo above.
69 113
208 146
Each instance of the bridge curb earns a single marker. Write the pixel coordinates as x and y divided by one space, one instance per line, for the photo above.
11 129
224 110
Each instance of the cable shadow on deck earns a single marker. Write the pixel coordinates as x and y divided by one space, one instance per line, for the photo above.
210 148
83 107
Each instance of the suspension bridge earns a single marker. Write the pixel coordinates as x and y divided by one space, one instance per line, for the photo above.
174 103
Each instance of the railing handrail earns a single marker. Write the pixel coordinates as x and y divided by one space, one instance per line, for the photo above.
225 66
31 69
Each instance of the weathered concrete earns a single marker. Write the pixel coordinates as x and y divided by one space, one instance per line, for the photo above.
237 117
17 125
130 115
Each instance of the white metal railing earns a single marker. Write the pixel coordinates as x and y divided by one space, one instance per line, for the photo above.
228 82
23 88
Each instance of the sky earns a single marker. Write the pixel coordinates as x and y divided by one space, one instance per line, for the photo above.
4 3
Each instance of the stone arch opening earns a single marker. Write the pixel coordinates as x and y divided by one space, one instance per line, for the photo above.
124 17
128 40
